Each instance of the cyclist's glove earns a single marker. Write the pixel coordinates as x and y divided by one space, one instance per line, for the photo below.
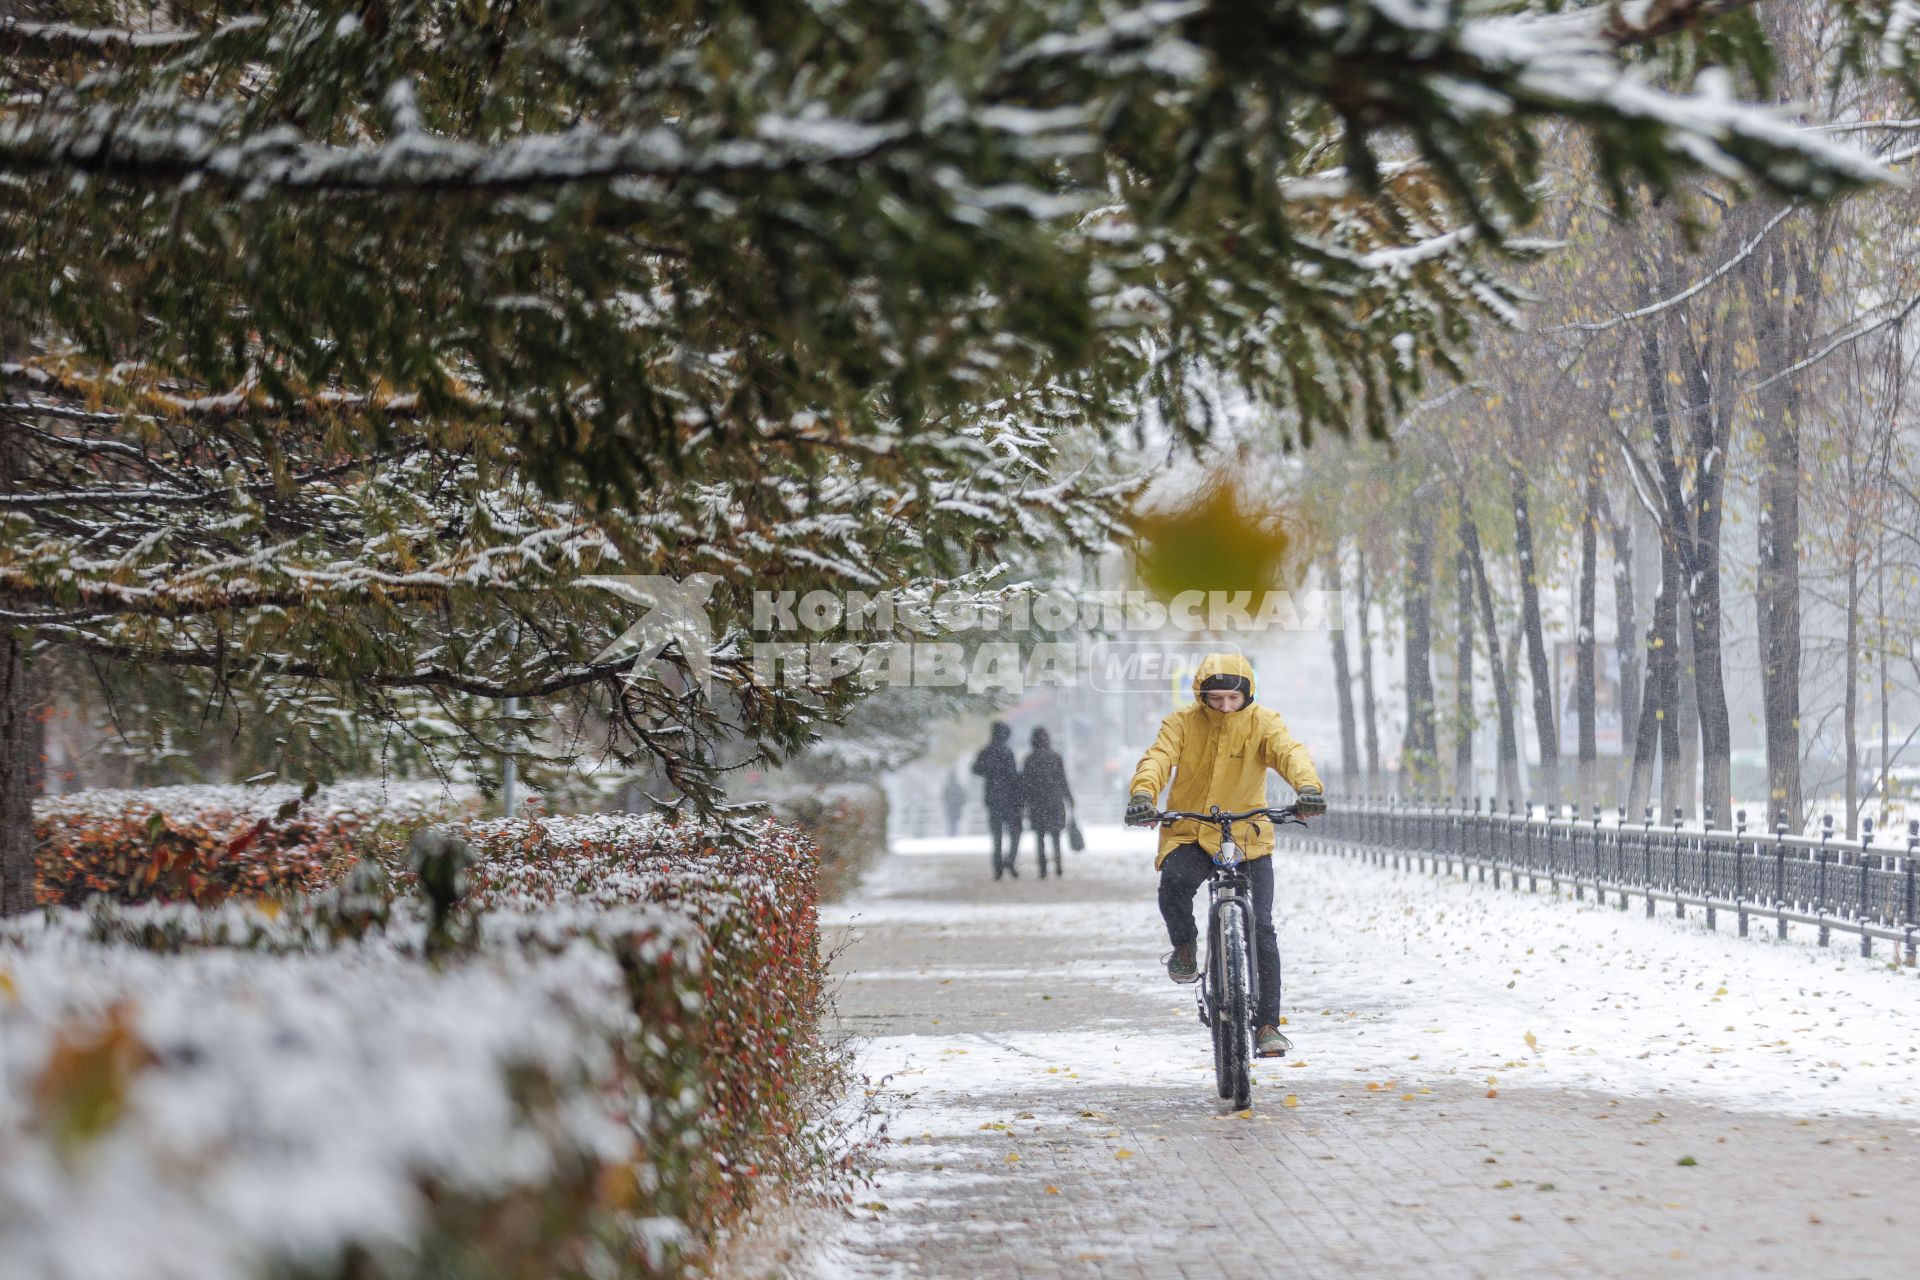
1140 811
1311 803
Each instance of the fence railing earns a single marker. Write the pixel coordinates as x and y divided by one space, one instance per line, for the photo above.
1855 886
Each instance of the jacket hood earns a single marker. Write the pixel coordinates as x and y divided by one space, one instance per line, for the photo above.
1041 740
1002 732
1223 664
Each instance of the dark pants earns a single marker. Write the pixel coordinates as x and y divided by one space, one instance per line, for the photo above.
1004 823
1040 847
1181 875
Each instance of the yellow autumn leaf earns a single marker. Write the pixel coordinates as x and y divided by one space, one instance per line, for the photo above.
1053 1191
1224 540
1532 1043
1123 1154
1289 1101
7 988
1013 1157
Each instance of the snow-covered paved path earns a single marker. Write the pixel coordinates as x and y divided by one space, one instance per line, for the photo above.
1484 1083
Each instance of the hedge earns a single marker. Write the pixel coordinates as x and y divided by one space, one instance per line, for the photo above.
203 844
621 1045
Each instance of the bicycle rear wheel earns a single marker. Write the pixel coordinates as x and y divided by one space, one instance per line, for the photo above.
1233 1012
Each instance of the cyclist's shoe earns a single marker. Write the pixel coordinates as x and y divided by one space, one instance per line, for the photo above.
1181 966
1268 1042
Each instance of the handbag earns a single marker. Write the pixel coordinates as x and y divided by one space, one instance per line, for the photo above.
1075 841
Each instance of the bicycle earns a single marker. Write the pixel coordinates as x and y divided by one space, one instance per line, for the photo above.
1228 992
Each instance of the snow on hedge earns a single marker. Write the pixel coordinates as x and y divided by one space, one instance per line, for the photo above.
236 806
211 1094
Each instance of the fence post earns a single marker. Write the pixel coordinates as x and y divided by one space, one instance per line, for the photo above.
1573 830
1780 873
1866 845
1553 848
1620 852
1913 843
1820 884
1673 864
1706 865
1740 867
1533 848
1646 859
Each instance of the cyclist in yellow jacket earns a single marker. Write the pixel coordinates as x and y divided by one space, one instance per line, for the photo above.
1217 752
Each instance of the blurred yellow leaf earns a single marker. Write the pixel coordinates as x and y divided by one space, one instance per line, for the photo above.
1289 1101
1123 1154
1532 1043
1216 542
83 1087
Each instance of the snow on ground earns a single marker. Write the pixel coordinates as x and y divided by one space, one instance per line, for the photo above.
1390 976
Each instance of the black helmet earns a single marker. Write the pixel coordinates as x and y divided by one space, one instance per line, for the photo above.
1224 683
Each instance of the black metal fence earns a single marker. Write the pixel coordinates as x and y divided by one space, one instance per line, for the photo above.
1863 886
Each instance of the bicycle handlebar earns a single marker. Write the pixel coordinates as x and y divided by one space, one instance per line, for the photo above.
1288 814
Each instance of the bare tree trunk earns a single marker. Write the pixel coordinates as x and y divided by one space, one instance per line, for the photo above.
1676 778
1886 688
1370 718
1583 638
1687 709
1343 684
1852 701
1709 444
1546 730
21 733
1419 753
1659 724
16 782
1626 633
1782 297
1508 761
1463 671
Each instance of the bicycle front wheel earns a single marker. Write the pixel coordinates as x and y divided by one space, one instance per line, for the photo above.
1233 1015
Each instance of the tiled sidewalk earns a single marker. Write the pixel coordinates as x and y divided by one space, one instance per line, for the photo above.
1047 1125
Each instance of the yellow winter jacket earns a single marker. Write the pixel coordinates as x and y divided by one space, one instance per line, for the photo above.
1221 758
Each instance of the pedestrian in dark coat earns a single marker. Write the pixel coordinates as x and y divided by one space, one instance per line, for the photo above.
1043 785
997 768
954 796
